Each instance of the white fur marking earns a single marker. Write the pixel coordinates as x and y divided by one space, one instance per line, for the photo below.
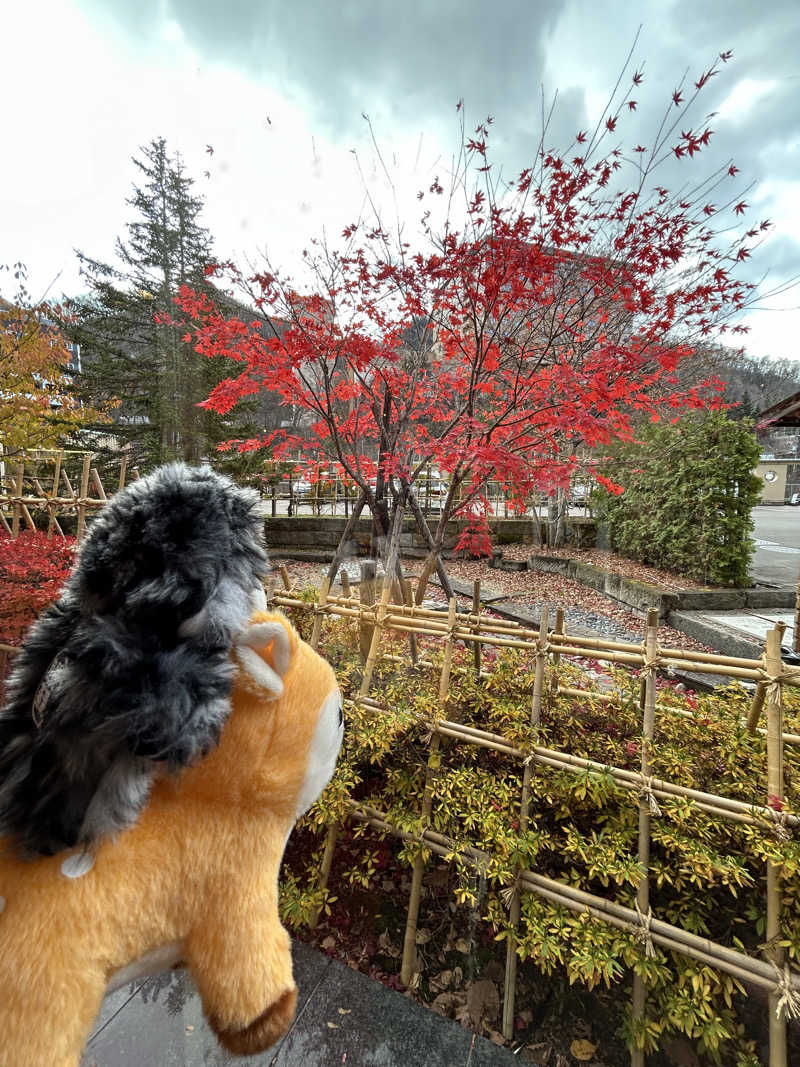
260 671
258 599
323 752
156 961
77 865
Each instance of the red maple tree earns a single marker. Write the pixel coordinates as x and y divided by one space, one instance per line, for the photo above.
533 319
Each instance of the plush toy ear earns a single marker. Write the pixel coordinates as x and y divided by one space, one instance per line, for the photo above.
264 652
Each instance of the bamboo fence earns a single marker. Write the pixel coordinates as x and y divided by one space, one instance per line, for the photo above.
40 482
768 674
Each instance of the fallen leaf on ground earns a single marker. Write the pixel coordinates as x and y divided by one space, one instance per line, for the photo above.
583 1050
483 1001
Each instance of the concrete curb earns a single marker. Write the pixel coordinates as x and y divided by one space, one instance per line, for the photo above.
641 596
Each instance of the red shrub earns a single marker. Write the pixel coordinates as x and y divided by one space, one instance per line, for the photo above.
32 572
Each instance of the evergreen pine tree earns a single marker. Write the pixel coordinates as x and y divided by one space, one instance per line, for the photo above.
156 377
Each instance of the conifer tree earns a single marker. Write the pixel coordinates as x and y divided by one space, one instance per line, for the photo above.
127 352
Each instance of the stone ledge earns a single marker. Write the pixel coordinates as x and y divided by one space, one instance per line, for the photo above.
640 596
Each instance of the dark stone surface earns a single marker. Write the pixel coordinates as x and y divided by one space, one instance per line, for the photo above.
160 1022
712 600
770 598
720 637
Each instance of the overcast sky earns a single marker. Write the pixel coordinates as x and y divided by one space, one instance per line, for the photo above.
278 90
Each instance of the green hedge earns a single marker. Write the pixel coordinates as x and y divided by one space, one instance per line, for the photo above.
689 491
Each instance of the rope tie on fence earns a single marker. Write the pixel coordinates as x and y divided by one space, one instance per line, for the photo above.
651 663
507 895
787 675
788 998
643 933
780 824
646 793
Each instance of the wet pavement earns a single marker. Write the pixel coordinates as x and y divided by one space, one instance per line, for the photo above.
343 1018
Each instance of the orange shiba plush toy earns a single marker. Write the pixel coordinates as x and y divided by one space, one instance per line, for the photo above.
195 880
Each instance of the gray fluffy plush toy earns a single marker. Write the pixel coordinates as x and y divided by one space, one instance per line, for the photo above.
130 668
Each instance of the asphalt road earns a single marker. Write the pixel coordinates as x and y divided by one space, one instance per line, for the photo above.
777 535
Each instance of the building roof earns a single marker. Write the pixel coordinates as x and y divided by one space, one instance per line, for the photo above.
785 413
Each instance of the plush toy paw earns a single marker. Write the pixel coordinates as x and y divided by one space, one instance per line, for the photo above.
264 1031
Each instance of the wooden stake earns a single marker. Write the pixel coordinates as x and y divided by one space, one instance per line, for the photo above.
123 467
98 484
774 665
375 640
410 939
16 514
648 703
408 600
510 987
287 581
345 580
323 600
51 509
325 869
476 610
366 593
87 460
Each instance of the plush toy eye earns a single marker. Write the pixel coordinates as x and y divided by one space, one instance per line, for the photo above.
341 715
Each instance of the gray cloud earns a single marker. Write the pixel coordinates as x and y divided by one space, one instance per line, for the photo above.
407 64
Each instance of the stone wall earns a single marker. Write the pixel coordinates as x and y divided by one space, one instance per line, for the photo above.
322 533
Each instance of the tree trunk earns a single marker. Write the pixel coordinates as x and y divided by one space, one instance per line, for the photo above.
341 549
557 510
433 561
536 526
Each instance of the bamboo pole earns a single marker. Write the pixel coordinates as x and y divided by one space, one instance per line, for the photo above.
408 600
431 623
410 939
325 869
796 640
748 968
774 665
648 732
287 581
366 592
320 609
605 698
123 468
476 608
16 513
51 508
510 985
87 460
98 484
344 578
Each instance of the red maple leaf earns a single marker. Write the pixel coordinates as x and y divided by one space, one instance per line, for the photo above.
677 98
740 207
